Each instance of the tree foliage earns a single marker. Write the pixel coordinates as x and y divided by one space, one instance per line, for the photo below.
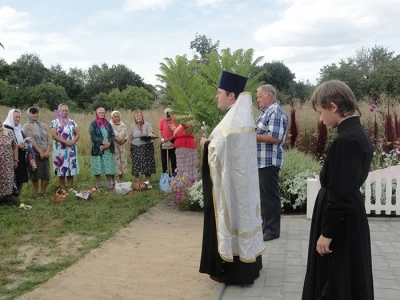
370 72
27 81
277 74
193 86
203 46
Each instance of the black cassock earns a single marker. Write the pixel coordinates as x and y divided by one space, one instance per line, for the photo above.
211 263
339 213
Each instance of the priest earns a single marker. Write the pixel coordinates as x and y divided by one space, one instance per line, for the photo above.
232 234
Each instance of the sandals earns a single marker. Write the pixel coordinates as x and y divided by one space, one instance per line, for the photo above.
39 196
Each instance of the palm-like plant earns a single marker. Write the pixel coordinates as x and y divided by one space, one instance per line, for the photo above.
193 85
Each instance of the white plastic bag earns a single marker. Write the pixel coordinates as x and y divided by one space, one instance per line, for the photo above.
123 187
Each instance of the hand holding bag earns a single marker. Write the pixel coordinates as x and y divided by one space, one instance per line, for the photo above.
167 145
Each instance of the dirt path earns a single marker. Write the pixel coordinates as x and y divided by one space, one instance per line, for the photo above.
155 257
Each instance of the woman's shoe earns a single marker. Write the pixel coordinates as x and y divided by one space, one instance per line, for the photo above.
109 186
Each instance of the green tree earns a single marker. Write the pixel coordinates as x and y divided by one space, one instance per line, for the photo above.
60 77
122 77
277 74
45 95
193 86
5 69
137 98
98 80
368 59
301 90
49 95
203 46
357 70
385 79
348 72
28 70
101 99
105 79
4 86
114 99
19 96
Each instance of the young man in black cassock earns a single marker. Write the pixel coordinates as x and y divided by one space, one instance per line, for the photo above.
232 234
339 256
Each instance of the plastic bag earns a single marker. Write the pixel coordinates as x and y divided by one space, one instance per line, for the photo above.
165 183
123 187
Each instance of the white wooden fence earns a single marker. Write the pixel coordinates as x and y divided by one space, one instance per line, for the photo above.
381 190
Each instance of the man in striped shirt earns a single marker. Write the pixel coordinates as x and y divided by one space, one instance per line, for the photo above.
271 127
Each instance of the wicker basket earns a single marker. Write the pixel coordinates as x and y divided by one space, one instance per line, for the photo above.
60 196
139 186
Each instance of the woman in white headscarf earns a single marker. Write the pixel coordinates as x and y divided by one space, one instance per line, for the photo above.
12 122
42 145
121 136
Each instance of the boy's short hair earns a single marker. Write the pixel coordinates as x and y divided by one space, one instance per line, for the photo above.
339 93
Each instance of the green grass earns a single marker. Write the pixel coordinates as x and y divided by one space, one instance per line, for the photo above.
36 244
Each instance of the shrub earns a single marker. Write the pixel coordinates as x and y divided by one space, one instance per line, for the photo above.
180 184
194 199
297 167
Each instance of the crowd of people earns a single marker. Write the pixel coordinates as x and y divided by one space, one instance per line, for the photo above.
242 159
242 209
31 151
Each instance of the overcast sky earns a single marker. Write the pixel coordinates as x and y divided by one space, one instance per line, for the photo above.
304 34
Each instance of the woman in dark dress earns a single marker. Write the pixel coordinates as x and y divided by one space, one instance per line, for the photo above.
339 255
13 123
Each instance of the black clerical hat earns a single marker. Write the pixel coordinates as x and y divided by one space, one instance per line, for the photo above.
232 82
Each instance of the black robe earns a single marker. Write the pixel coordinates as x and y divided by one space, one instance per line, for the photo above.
339 213
211 263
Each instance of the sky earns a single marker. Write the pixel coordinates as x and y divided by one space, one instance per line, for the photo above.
304 34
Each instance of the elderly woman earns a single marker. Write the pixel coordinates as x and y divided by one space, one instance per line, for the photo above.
186 151
102 158
8 162
65 133
41 142
142 148
121 137
12 122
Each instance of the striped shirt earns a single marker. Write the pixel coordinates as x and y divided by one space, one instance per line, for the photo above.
273 122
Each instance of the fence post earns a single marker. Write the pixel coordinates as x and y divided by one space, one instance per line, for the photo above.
313 187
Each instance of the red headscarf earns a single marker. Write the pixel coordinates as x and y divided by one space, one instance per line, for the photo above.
100 121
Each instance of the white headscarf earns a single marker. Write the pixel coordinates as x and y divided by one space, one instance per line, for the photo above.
17 129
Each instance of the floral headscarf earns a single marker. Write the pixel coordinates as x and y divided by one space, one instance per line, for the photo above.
64 120
100 121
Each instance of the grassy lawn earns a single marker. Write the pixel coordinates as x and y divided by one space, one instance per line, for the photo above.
38 243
